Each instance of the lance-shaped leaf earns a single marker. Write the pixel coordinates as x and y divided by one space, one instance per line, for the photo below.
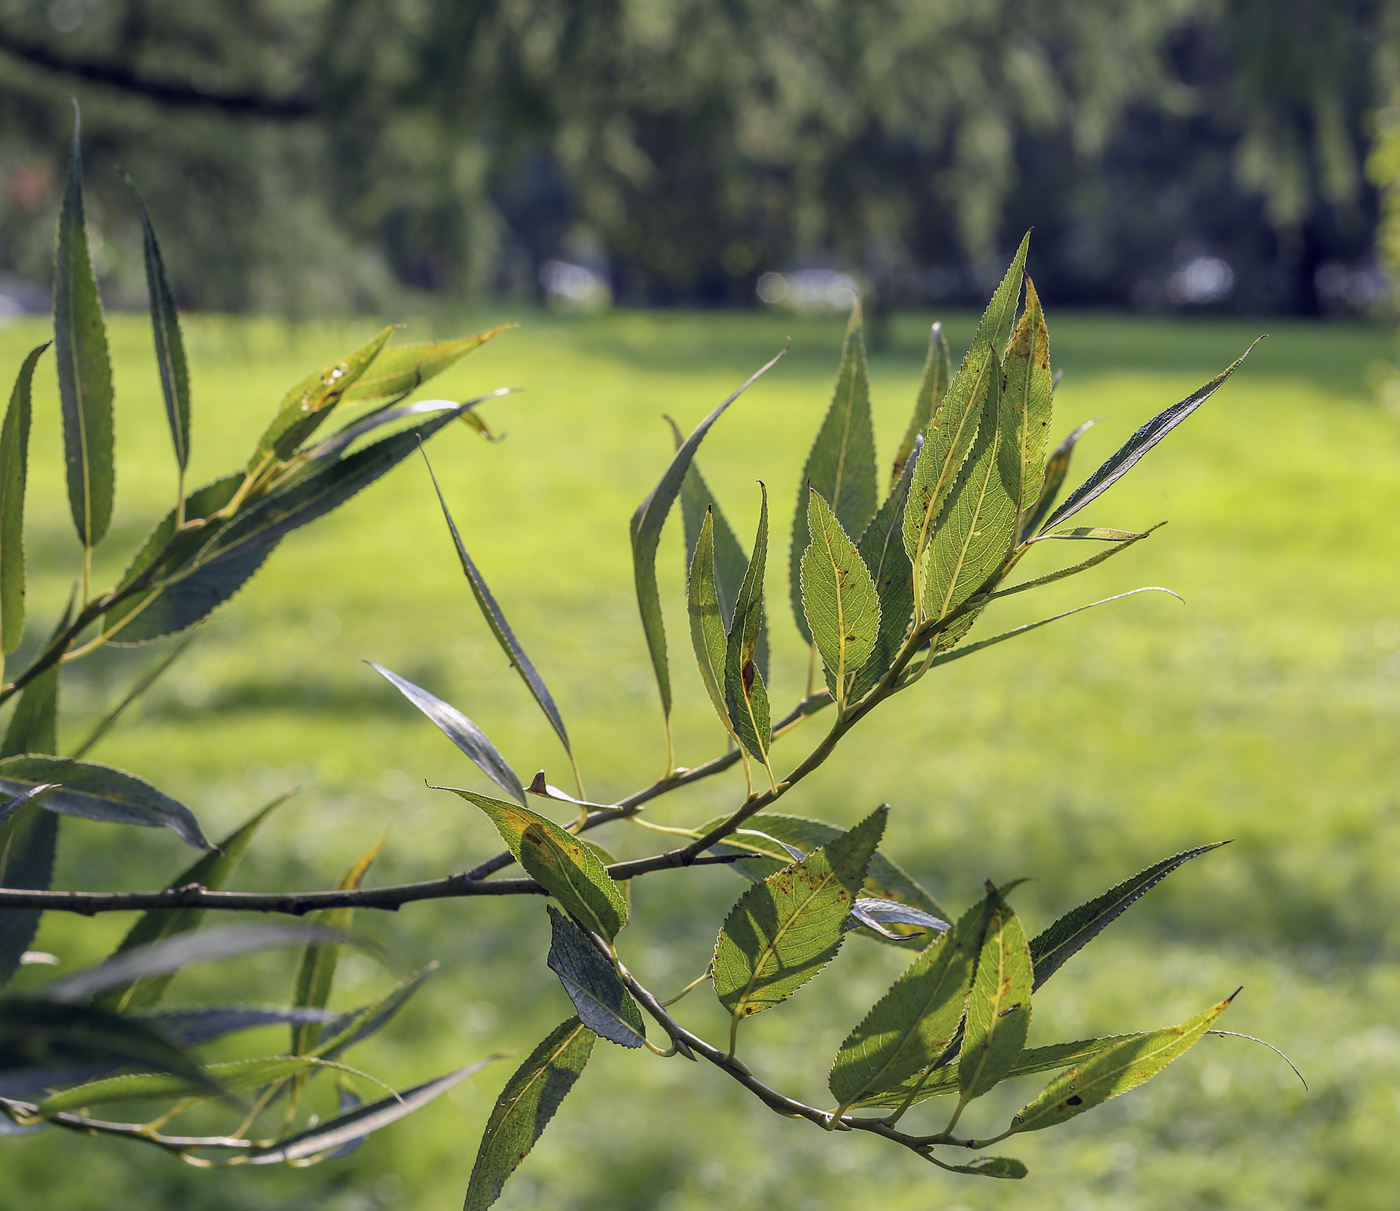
321 956
999 1005
460 730
524 1109
349 1029
84 368
1127 455
33 727
14 471
932 388
1055 471
645 531
882 550
783 931
1075 569
212 871
203 1024
959 420
1076 929
170 345
1026 408
1113 1071
561 863
745 696
500 628
402 368
28 839
838 596
992 1166
884 1058
380 417
99 792
307 405
604 1005
841 464
878 915
43 1044
707 626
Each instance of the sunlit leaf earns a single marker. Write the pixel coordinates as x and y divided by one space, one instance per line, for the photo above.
745 696
14 472
401 368
1056 468
1095 534
604 1005
932 388
1075 569
707 626
838 596
346 436
999 1005
882 550
991 1166
1026 408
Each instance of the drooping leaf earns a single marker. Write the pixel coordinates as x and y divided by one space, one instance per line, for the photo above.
347 1030
932 388
604 1005
885 1057
401 368
999 1005
841 464
959 421
307 405
1074 569
1055 471
1113 1071
645 531
745 696
561 863
707 626
99 792
784 930
882 550
1026 408
204 1023
84 368
170 345
524 1109
1076 929
500 628
14 471
992 1166
839 598
460 730
212 871
28 840
877 915
1127 455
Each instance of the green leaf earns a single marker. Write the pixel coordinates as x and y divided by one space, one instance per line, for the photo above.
402 368
604 1005
1127 455
500 628
707 627
1074 569
999 1005
1095 534
84 368
841 464
783 931
205 1023
307 405
33 727
1055 471
524 1109
884 1059
14 471
170 345
1026 408
1076 929
28 839
991 1166
645 531
561 863
959 420
460 730
839 598
212 871
99 792
1113 1071
745 696
882 549
932 388
349 1029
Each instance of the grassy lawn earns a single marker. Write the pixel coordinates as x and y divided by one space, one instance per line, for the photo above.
1264 709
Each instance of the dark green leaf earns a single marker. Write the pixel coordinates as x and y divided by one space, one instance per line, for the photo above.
28 839
1126 457
524 1109
1026 408
460 730
1077 928
1055 471
170 345
707 626
84 368
991 1166
593 985
881 547
212 871
645 530
841 464
745 696
838 595
33 727
783 931
14 471
932 388
203 1024
999 1005
401 368
1113 1071
561 863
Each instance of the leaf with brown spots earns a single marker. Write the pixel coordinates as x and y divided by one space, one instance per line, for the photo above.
839 598
745 695
999 1006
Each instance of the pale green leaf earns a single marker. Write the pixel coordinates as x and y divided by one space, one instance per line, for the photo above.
745 696
1096 534
999 1005
399 369
881 548
932 388
707 628
1026 407
838 596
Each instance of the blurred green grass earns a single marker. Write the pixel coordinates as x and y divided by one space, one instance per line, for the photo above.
1263 710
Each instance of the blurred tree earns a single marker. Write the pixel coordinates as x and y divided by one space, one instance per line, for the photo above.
449 146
